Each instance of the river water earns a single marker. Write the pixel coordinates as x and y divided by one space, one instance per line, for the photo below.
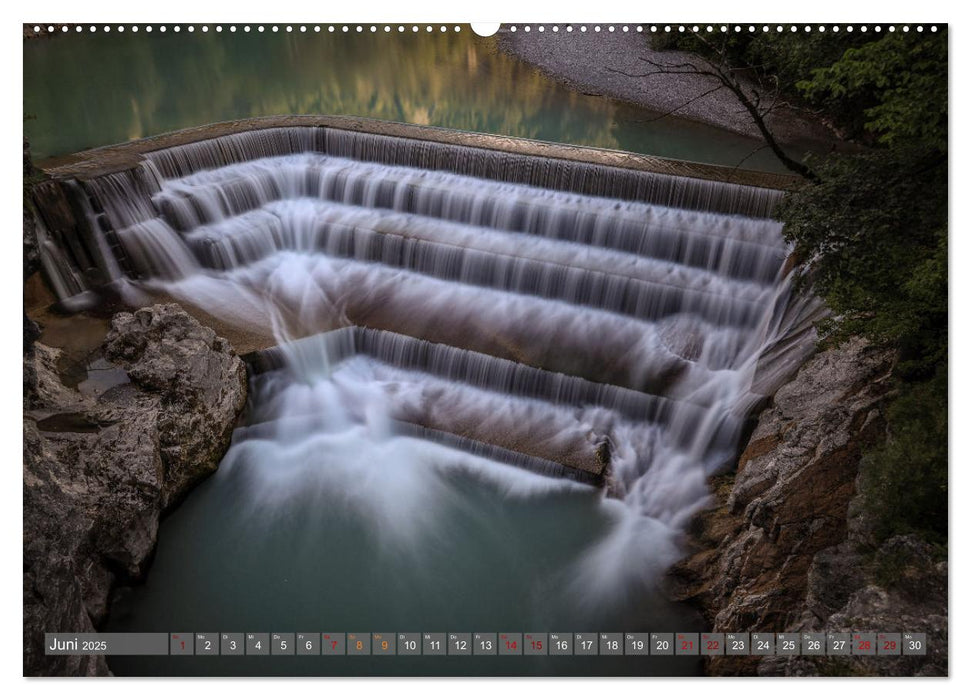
347 529
525 320
88 90
451 347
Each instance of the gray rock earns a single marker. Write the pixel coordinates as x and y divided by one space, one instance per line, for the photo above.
834 575
199 379
99 472
781 548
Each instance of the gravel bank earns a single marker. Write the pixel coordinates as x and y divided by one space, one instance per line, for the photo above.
603 63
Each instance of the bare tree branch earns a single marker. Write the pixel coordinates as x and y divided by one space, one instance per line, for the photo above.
758 101
751 153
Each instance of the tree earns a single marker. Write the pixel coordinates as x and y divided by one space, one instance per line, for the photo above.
892 90
875 224
758 92
870 228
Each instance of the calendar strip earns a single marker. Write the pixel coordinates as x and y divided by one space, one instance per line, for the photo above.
488 644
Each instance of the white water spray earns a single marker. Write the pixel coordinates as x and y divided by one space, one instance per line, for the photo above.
521 312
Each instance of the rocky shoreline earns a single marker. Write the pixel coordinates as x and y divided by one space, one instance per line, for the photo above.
612 64
106 458
101 470
788 543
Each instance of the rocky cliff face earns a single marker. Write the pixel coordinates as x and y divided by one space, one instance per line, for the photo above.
787 545
99 471
31 265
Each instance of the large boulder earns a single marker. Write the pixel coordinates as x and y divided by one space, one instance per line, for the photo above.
198 378
99 472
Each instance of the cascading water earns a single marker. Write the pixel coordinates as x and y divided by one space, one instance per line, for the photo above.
449 320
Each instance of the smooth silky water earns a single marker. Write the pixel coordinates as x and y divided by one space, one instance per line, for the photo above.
467 340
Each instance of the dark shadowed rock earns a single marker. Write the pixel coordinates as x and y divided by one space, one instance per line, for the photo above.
781 550
99 472
31 265
31 252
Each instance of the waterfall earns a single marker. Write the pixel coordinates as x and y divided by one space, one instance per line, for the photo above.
574 320
546 173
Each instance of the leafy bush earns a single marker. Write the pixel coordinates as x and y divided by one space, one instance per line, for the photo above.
904 482
874 230
888 88
894 88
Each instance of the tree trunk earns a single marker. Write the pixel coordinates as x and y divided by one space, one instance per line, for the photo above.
791 163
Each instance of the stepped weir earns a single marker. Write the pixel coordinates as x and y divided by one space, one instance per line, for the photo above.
599 316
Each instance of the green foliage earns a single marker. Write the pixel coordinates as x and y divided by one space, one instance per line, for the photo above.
894 88
902 568
888 88
793 56
875 232
905 481
779 59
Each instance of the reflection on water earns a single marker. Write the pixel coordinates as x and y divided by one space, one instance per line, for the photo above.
332 528
90 90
